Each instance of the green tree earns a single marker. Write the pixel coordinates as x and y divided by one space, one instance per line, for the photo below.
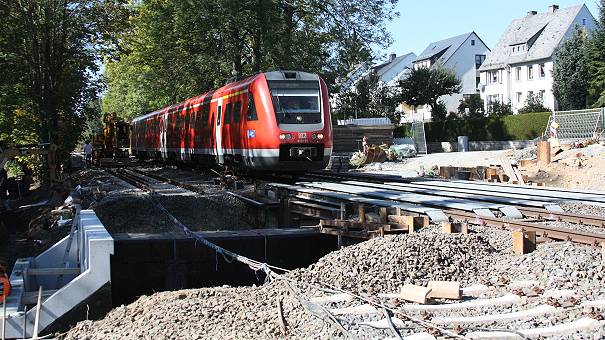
424 86
595 56
50 51
533 104
570 75
474 104
177 49
369 98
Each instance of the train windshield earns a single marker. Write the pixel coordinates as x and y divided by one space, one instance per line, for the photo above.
297 103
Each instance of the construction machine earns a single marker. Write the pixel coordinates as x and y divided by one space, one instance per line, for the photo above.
111 146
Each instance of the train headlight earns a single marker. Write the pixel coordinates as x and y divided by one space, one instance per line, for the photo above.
320 136
285 136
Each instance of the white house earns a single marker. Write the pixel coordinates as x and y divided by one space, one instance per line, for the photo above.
464 54
521 64
389 72
395 69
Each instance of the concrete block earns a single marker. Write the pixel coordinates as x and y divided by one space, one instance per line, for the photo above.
415 293
445 290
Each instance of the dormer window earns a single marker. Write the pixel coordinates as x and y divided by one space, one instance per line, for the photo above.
518 49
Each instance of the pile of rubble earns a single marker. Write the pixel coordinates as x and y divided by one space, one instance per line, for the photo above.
386 264
380 266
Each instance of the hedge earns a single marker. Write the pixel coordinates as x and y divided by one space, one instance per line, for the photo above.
501 128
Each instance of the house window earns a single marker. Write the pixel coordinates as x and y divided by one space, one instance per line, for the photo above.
479 59
541 94
518 73
519 97
530 94
542 71
530 72
493 77
583 22
473 42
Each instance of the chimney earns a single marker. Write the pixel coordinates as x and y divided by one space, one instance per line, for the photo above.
392 57
553 8
530 13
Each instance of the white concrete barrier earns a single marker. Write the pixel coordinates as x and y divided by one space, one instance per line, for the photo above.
69 273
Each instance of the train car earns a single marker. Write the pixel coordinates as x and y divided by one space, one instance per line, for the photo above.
275 121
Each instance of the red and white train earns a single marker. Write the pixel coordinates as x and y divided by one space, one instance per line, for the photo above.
275 121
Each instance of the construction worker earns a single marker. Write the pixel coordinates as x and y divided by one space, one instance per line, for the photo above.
364 144
5 285
88 153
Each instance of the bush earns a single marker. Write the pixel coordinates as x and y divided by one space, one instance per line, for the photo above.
403 131
533 104
474 104
501 109
493 128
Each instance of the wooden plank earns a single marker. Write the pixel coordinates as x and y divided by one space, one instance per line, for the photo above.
524 241
519 175
352 224
543 152
508 169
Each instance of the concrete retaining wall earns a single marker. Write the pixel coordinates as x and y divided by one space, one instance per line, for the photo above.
480 145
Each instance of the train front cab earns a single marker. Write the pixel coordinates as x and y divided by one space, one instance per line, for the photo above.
301 110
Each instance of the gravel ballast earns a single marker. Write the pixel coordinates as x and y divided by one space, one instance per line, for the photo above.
378 266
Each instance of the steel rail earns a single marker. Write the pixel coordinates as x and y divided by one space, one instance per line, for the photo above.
597 221
174 182
556 233
531 212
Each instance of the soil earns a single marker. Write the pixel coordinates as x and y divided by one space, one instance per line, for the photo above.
570 171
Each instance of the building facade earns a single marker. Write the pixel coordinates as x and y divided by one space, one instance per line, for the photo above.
521 64
464 54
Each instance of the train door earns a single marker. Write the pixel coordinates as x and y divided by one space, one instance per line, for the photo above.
163 128
220 159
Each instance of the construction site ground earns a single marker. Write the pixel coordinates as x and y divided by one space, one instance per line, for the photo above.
561 283
582 168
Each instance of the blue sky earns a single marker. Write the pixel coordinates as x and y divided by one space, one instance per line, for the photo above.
421 22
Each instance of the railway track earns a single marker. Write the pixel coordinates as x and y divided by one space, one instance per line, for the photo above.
150 182
554 195
350 183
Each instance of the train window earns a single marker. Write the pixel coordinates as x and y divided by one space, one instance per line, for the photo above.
228 109
218 115
298 106
237 111
251 108
205 113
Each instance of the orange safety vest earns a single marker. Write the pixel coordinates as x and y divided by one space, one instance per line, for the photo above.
5 287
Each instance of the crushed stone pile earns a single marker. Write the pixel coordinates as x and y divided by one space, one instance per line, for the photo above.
386 264
379 265
207 313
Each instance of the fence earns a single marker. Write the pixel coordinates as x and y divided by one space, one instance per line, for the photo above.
576 125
